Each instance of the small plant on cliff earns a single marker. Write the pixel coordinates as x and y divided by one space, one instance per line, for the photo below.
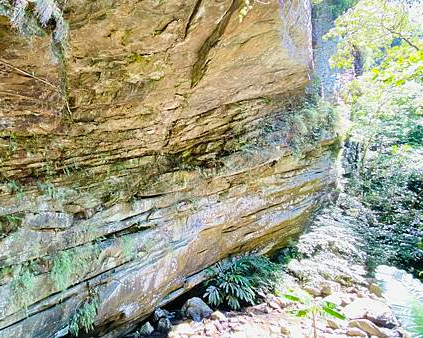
84 317
9 224
310 124
16 189
240 282
65 266
23 286
129 250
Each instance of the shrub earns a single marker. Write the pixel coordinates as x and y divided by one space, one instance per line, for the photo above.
390 186
240 282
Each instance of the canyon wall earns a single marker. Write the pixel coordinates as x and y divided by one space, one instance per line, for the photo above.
156 148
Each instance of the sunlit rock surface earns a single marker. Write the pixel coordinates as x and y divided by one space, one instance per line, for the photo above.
157 162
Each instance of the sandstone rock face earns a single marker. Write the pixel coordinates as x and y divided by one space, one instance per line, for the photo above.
146 156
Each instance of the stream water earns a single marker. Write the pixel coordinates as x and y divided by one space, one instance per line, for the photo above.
404 294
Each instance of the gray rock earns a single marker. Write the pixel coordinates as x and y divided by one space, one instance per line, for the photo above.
48 220
164 325
367 326
375 289
360 307
333 323
385 319
196 309
182 329
159 314
335 298
146 329
313 290
329 288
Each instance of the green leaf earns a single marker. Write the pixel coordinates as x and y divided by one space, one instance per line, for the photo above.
293 298
330 311
302 313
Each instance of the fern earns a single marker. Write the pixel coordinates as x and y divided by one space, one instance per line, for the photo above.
66 266
84 317
47 10
239 282
23 286
19 14
34 19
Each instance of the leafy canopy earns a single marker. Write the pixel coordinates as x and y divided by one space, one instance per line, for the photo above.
381 30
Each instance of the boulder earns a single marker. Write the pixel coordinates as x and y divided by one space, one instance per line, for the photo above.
329 288
385 319
335 298
146 330
159 314
182 329
313 290
164 325
196 309
367 326
360 307
334 323
375 289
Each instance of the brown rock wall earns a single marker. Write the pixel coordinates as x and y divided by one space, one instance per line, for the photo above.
156 165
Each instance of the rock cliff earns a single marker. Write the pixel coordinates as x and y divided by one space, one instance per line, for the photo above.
155 149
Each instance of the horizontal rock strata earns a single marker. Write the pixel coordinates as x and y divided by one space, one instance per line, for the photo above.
158 147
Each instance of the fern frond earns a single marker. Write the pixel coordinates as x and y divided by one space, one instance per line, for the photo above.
18 18
44 10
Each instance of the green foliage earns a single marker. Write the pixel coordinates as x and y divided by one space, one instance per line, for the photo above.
391 185
288 253
239 282
15 188
339 7
84 317
23 286
66 266
128 247
9 224
336 7
309 124
309 307
386 107
371 28
63 268
47 189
